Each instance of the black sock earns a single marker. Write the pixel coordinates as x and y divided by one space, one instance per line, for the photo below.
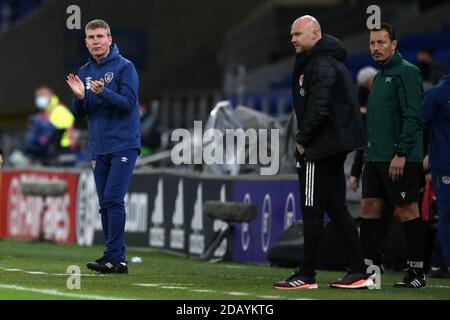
370 235
416 243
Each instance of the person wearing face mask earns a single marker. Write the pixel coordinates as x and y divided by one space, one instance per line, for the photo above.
51 131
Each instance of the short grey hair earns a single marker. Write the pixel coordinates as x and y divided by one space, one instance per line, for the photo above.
98 23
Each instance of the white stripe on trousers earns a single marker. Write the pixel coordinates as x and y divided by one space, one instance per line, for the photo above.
309 185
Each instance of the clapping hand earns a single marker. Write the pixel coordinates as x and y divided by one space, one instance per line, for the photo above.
97 86
76 85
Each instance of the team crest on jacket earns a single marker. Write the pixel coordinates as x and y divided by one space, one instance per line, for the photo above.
446 180
109 77
300 80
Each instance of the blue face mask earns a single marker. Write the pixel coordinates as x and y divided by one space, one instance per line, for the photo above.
42 102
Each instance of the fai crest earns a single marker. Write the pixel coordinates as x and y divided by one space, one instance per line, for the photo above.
300 80
109 77
446 180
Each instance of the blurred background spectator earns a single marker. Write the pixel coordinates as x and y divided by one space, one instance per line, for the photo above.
364 80
50 136
150 128
431 69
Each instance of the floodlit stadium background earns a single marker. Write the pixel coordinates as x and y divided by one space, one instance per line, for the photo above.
189 55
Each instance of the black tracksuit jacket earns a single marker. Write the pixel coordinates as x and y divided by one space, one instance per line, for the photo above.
325 102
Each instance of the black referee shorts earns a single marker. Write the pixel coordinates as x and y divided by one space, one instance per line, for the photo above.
376 183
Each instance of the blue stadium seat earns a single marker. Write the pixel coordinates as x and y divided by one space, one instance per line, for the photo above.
443 55
409 54
426 40
284 83
22 8
356 62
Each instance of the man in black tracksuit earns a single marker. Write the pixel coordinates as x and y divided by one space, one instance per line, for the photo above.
330 126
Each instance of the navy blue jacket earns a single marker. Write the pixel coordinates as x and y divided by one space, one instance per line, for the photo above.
39 133
436 117
113 116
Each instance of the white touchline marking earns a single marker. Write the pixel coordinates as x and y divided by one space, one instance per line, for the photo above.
238 293
161 284
13 270
232 293
77 274
166 286
59 293
147 284
439 286
427 286
269 297
174 286
53 274
35 272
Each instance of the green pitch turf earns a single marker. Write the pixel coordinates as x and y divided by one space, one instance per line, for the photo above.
39 271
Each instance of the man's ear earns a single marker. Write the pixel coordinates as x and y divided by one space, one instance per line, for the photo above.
394 45
316 33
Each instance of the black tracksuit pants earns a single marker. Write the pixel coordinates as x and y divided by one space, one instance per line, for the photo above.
322 189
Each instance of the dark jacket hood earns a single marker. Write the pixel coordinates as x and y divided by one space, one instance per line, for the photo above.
327 45
330 46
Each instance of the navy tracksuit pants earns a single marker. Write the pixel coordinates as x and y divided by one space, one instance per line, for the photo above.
441 256
112 173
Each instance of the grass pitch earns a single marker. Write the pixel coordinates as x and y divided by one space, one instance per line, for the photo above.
38 271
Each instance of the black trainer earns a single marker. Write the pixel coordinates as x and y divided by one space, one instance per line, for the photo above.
412 279
440 273
355 281
106 266
103 258
296 281
97 261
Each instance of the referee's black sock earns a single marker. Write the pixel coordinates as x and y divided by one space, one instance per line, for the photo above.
370 235
416 243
